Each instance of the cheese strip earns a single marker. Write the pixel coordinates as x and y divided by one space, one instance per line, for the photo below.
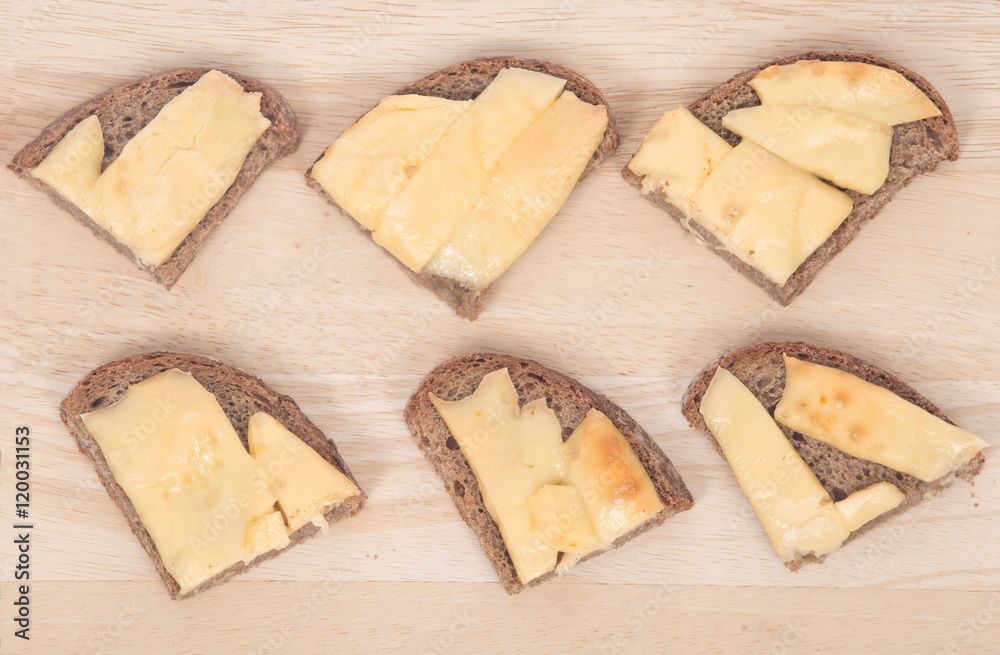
448 183
529 187
306 484
868 421
512 451
850 151
677 155
874 92
770 214
371 162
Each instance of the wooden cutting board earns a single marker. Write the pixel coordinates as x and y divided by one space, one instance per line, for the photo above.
613 292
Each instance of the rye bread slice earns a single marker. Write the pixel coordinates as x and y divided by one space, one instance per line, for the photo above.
240 394
123 111
917 147
465 81
459 377
762 370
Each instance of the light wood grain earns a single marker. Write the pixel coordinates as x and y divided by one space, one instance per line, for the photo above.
287 289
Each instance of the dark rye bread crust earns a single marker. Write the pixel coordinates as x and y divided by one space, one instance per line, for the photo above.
917 148
465 81
123 111
762 370
460 377
240 394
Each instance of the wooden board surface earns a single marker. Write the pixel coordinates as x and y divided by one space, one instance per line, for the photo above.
613 292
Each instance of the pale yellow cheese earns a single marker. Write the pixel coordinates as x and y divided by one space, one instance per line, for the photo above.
867 504
560 520
73 166
268 532
371 162
513 452
531 183
770 214
850 151
175 454
677 155
798 514
545 495
306 484
868 421
874 92
447 185
614 485
167 176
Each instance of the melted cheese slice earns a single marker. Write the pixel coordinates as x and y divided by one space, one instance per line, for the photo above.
547 496
850 151
514 452
560 520
268 532
167 176
306 485
370 163
175 454
866 90
798 514
529 186
677 156
868 421
770 214
449 182
613 484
